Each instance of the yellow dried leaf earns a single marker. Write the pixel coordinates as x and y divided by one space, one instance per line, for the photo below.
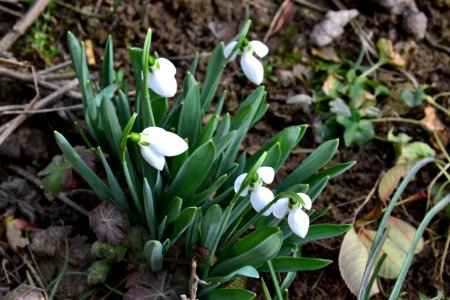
353 257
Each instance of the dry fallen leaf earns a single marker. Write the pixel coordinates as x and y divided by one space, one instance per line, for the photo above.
390 180
14 229
396 245
353 257
433 124
90 52
386 50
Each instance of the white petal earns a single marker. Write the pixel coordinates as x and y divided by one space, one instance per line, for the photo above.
164 142
252 68
154 158
260 197
162 83
298 220
166 66
238 184
228 49
266 174
280 208
307 200
259 48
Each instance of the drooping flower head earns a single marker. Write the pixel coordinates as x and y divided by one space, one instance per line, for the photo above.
156 143
161 76
260 195
251 66
298 220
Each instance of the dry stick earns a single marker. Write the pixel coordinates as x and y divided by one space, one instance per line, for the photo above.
14 123
10 11
13 62
41 111
34 272
55 67
310 5
23 24
369 196
444 254
42 83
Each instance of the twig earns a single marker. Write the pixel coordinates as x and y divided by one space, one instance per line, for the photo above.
63 197
33 271
444 254
368 197
42 111
311 5
13 62
14 123
42 83
10 11
23 24
55 67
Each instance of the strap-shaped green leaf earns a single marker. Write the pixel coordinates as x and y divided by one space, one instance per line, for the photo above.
192 172
207 131
321 232
154 255
210 225
316 160
173 210
117 192
108 64
212 78
99 187
197 199
247 271
111 126
296 264
235 294
184 220
331 172
190 117
288 138
255 249
149 207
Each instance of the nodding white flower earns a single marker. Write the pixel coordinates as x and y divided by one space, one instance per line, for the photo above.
298 220
156 143
251 66
260 196
161 77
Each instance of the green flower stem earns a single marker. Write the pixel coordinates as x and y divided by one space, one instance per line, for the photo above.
394 200
223 224
247 225
437 105
276 284
441 146
373 68
401 120
426 220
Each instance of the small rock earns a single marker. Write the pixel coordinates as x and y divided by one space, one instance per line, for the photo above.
395 6
415 23
332 26
285 77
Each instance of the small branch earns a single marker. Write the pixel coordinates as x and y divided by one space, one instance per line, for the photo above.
42 83
23 24
9 127
10 11
41 111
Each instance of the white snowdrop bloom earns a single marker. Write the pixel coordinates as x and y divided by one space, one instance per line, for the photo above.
298 220
251 66
260 196
161 77
156 143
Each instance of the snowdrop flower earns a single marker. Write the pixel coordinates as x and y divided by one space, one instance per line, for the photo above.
251 66
298 220
156 143
260 196
161 77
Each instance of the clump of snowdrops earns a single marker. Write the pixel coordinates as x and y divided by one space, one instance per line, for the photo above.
187 182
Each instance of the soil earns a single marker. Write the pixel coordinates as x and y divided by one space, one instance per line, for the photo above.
181 28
